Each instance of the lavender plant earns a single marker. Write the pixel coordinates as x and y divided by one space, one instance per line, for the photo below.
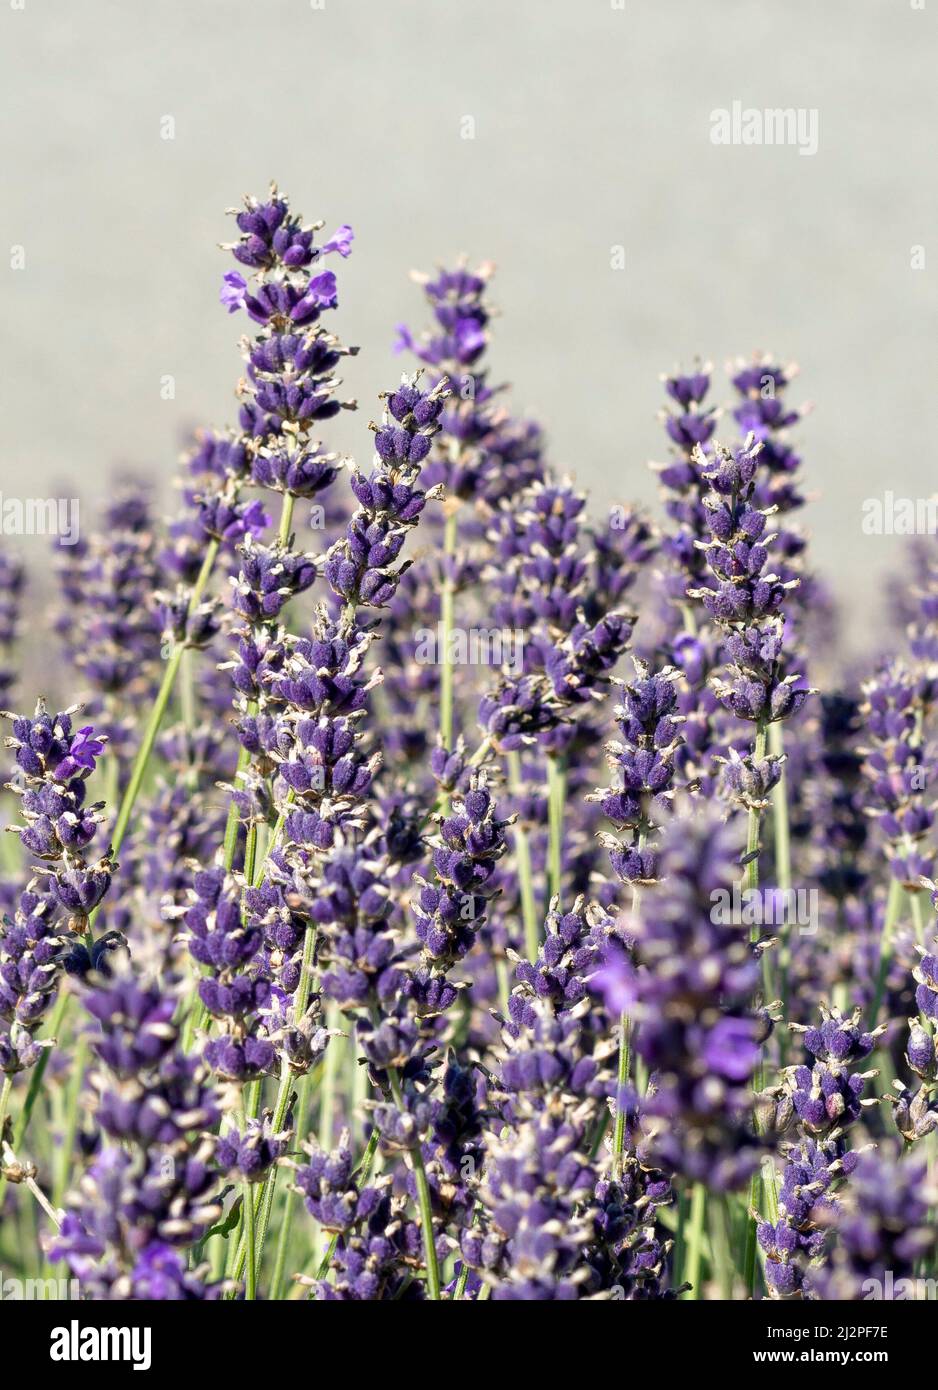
332 970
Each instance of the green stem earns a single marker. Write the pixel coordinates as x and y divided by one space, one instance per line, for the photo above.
330 1076
286 518
679 1255
187 700
782 836
5 1100
532 933
257 1235
197 1012
885 948
447 608
754 826
423 1203
233 821
556 792
159 709
250 853
71 1119
462 1281
250 1283
622 1076
695 1237
265 1203
35 1081
721 1244
286 1214
504 983
625 1038
917 915
146 748
758 1080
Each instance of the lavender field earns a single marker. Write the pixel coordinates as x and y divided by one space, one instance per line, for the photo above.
422 885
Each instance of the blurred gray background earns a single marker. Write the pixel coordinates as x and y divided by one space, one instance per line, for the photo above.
592 131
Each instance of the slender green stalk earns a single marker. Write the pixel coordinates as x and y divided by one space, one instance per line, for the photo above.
556 794
35 1081
782 837
423 1203
10 857
5 1099
754 827
250 1282
252 1241
250 853
695 1239
679 1255
286 1213
139 768
274 840
447 607
426 1226
187 700
770 1189
504 983
625 1040
917 915
720 1244
758 1080
234 820
330 1077
146 748
257 1236
622 1076
462 1281
885 948
532 932
71 1119
197 1013
751 1242
286 518
266 1199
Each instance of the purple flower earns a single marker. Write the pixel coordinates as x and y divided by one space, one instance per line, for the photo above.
615 981
341 241
323 290
233 291
84 749
731 1048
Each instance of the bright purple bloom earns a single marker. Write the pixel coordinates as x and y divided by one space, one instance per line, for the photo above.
341 241
233 291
